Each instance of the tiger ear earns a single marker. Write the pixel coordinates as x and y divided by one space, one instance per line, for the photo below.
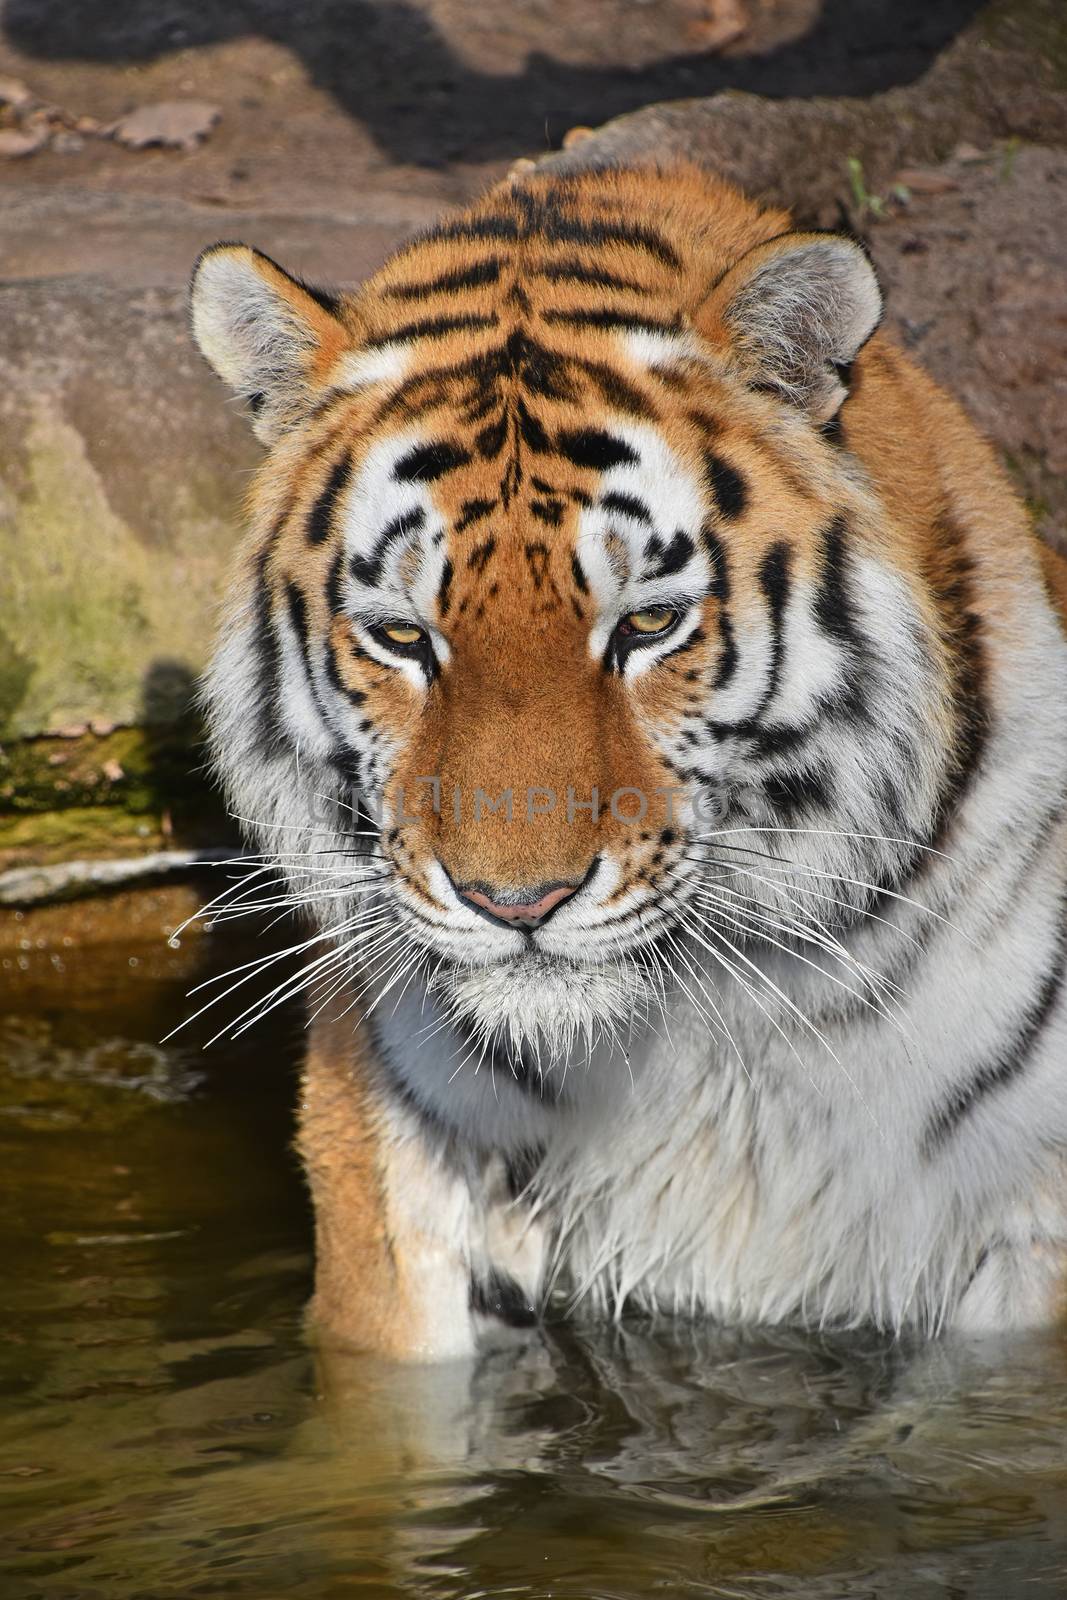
269 336
796 311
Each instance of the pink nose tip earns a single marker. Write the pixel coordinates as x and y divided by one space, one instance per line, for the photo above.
527 912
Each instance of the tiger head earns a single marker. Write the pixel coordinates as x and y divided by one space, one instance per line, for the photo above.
565 601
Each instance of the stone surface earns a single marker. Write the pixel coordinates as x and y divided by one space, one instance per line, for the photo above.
120 475
977 291
122 460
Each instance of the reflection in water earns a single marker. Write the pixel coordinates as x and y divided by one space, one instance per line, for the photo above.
166 1431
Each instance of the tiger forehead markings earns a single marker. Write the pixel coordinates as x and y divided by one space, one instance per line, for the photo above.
633 665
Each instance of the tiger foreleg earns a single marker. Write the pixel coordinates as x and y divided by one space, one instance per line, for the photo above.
417 1254
392 1219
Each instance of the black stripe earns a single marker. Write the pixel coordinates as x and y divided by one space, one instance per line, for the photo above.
342 757
689 642
728 487
954 592
581 582
296 603
617 390
334 597
444 589
324 298
473 511
500 1296
491 440
543 371
473 228
549 511
481 555
834 613
518 1067
774 581
537 561
368 569
320 521
833 604
793 794
591 447
720 592
298 613
426 462
333 673
1009 1061
671 558
532 433
542 215
573 230
765 742
628 504
604 318
269 735
728 654
579 272
482 272
429 328
720 571
521 1169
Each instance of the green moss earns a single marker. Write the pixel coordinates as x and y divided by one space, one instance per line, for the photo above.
91 610
16 670
128 790
45 837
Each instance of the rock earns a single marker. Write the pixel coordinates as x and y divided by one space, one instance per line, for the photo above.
121 465
177 124
18 142
718 23
928 181
1002 79
122 458
15 94
983 304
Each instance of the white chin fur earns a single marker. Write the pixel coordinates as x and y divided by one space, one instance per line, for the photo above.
544 1005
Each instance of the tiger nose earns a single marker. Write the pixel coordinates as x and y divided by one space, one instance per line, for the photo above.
524 908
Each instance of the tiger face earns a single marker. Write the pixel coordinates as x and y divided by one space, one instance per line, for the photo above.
563 602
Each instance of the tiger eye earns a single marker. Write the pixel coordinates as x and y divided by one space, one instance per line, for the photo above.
657 619
402 632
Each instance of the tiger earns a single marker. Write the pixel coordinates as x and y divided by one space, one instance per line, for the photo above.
648 683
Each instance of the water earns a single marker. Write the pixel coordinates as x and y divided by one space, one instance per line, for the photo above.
165 1430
